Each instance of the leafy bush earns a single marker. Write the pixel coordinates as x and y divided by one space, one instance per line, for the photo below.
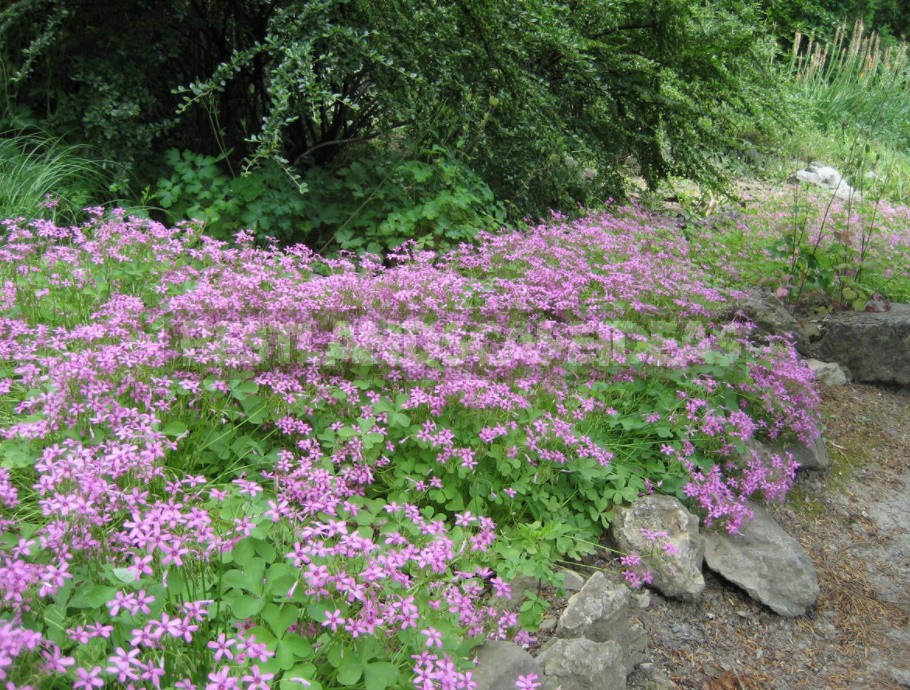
372 203
223 463
539 102
265 201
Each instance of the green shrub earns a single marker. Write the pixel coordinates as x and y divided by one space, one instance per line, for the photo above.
371 203
540 102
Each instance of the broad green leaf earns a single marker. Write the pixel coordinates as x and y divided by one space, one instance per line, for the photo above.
380 675
93 597
243 605
299 646
126 575
280 618
350 671
174 429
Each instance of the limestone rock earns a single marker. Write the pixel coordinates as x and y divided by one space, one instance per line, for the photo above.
596 644
770 316
582 664
901 677
827 373
500 663
874 346
678 575
828 178
572 581
519 584
767 563
812 457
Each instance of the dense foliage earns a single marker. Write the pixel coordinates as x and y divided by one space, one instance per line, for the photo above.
538 104
253 463
221 462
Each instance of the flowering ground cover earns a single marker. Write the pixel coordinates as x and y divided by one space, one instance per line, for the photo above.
226 466
815 250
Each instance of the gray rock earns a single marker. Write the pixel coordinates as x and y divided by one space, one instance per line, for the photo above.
596 611
901 677
582 664
500 663
519 584
677 575
828 178
770 316
572 581
600 613
812 457
767 563
874 346
827 373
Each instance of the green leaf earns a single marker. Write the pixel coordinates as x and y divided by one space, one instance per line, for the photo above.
350 671
93 597
299 677
244 390
243 551
298 646
174 429
265 550
281 577
126 575
380 675
243 605
16 454
280 618
262 636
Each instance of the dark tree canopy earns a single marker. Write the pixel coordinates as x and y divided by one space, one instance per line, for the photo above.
540 99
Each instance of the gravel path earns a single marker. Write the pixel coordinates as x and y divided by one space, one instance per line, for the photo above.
854 521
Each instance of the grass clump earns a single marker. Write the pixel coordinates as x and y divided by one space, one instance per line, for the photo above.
47 178
854 80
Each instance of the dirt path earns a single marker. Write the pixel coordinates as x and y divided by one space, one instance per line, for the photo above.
854 521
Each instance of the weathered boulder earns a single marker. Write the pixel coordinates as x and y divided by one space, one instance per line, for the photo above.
901 677
874 346
770 316
597 644
676 574
582 664
767 563
500 663
827 373
600 612
812 457
519 585
828 178
571 581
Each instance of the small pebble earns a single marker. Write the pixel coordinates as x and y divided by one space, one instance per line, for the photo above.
642 599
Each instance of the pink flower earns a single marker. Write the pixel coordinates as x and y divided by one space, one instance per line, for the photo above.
434 637
528 682
88 679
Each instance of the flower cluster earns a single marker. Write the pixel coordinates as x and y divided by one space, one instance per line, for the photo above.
226 465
